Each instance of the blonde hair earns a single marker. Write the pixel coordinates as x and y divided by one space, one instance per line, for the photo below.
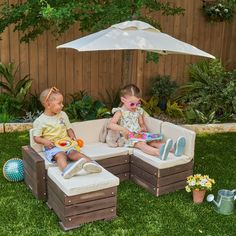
130 90
47 94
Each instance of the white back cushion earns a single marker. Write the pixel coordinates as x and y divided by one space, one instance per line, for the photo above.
153 125
33 144
88 130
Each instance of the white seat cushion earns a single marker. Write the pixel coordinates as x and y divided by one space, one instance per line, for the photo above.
96 151
83 182
171 161
100 151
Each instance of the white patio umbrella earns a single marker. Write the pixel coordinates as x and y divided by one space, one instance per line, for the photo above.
136 35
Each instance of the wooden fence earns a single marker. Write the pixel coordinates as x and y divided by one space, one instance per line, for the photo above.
97 72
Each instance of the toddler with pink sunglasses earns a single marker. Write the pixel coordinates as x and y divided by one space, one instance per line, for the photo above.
130 118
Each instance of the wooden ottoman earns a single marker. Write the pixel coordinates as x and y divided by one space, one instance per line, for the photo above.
83 198
160 177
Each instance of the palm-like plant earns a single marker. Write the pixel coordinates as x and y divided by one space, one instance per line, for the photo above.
16 89
12 99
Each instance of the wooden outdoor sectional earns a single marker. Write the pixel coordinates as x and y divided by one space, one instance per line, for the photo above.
89 197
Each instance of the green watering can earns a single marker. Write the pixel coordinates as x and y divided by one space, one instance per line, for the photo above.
224 203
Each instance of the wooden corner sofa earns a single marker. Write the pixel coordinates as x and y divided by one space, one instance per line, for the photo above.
89 197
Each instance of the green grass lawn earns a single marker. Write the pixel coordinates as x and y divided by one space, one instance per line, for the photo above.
139 212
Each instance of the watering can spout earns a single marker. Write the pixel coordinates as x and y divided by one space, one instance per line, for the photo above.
210 198
216 203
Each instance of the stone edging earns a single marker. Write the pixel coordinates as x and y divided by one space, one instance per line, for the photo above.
198 128
212 128
12 127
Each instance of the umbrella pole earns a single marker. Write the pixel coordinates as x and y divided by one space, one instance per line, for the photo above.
140 61
126 67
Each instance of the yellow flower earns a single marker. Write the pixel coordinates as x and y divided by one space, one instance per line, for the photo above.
208 184
199 182
188 189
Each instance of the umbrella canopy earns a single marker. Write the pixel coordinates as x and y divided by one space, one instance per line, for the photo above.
136 35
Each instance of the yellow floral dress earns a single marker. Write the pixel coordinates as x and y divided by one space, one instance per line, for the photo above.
130 121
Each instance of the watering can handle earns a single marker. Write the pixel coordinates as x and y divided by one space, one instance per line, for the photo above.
233 191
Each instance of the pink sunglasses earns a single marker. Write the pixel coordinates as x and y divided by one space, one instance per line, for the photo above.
134 104
131 104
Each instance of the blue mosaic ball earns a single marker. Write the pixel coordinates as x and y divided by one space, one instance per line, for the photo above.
13 170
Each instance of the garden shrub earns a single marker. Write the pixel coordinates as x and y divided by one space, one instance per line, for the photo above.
210 90
85 108
151 106
163 88
174 110
112 98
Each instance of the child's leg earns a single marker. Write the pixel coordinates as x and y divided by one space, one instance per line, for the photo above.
162 152
178 148
158 144
88 165
68 170
74 155
60 158
147 148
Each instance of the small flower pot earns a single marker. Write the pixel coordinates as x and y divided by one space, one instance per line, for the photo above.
198 196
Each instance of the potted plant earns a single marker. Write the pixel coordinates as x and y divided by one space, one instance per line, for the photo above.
199 184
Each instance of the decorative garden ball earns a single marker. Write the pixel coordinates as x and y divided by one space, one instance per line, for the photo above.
13 170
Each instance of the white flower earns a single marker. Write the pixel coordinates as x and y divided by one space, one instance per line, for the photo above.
220 5
226 10
203 182
192 183
217 10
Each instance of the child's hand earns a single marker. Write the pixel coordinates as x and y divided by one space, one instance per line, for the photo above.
125 132
143 128
49 144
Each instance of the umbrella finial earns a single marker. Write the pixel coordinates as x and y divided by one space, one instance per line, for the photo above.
134 17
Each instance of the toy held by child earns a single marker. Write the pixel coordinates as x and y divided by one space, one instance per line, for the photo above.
129 121
53 130
66 144
144 136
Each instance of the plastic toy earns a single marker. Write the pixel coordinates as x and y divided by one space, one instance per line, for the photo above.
144 136
13 170
66 144
80 142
